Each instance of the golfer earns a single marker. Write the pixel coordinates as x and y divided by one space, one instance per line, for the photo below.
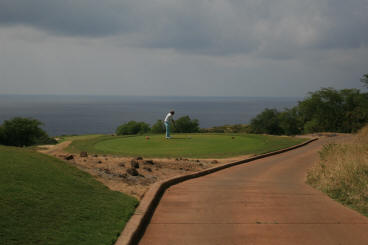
168 118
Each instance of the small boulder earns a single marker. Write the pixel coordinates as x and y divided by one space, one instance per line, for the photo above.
83 154
138 158
95 155
214 161
69 157
134 163
132 172
148 162
99 161
147 168
122 164
124 176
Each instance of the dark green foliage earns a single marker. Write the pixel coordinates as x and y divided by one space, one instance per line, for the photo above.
133 127
289 122
186 125
267 123
1 135
330 110
326 110
158 127
22 132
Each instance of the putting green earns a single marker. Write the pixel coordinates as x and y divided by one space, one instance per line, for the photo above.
185 145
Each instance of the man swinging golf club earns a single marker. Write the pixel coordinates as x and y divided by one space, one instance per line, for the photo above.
168 118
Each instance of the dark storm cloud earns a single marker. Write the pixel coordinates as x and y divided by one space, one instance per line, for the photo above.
277 29
83 18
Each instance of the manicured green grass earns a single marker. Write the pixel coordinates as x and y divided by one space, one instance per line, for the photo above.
46 201
78 137
184 145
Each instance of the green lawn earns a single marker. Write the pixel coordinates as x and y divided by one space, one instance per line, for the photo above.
184 145
46 201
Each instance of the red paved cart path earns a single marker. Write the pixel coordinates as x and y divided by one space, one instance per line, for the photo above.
262 202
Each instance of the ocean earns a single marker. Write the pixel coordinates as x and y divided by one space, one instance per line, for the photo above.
72 114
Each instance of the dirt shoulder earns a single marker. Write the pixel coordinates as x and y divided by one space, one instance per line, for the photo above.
115 172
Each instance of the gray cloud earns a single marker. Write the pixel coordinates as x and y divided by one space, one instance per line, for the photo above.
183 47
277 29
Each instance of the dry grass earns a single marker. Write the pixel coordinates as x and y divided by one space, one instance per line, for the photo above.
342 172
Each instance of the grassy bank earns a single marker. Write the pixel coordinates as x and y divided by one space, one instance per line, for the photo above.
184 145
342 172
46 201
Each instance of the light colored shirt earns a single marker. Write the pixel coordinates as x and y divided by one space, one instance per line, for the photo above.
168 117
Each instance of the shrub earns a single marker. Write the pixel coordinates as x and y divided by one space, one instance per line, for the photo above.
132 127
22 132
158 127
186 125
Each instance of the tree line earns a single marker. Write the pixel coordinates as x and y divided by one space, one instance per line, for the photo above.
182 125
326 110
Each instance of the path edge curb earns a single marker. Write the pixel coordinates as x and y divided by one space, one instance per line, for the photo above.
138 221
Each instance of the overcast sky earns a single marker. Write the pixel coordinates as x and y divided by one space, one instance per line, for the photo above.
182 47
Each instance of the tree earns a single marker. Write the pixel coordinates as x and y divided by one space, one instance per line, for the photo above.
289 122
324 108
364 80
186 125
158 127
22 132
132 127
267 122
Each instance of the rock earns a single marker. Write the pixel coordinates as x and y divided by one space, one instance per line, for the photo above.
69 157
138 158
132 172
106 170
201 164
134 163
148 162
83 154
124 176
122 164
95 155
197 161
214 161
147 168
99 161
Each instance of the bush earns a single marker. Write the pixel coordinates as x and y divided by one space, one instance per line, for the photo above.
132 127
186 125
158 127
22 132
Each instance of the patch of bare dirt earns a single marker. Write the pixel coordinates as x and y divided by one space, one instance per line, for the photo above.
132 176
